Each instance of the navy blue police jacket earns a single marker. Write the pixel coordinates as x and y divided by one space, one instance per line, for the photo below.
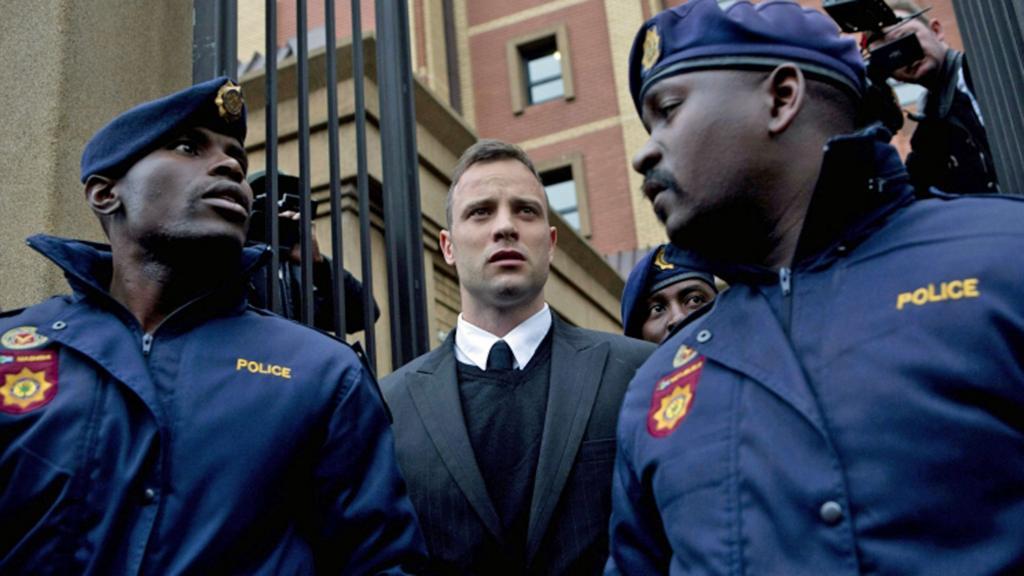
229 441
860 413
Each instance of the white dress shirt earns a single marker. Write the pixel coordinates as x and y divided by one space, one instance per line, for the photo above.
473 344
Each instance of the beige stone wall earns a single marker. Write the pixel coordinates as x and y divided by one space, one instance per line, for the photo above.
67 68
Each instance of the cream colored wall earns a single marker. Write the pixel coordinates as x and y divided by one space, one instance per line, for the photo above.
68 68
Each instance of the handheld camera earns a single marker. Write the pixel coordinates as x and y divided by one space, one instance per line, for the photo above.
873 17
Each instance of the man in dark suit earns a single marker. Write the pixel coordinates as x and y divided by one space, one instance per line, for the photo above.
505 433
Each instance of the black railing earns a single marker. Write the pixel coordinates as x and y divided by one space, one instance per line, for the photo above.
993 34
215 41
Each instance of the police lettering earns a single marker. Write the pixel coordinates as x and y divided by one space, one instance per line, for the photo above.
953 290
261 368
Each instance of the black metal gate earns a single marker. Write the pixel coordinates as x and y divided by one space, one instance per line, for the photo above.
214 54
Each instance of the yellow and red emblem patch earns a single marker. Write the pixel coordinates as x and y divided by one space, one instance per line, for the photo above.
28 380
22 337
673 396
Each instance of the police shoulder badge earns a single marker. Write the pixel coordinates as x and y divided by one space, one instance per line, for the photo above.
22 337
28 380
229 101
652 49
673 395
683 355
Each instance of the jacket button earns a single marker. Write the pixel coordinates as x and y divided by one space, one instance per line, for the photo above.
703 336
148 495
59 325
831 512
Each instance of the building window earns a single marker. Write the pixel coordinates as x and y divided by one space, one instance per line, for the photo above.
543 71
564 183
539 68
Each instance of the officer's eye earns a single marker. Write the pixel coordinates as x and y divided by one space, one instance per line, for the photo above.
695 300
477 212
654 309
666 108
186 146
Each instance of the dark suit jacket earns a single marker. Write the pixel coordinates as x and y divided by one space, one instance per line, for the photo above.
571 503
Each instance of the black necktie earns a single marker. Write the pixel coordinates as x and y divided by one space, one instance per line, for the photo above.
500 357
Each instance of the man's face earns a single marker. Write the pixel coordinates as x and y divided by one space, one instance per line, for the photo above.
192 188
667 307
700 162
931 38
500 240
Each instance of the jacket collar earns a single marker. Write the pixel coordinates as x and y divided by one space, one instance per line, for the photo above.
862 182
88 267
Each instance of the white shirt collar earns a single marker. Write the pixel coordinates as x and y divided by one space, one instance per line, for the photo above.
473 344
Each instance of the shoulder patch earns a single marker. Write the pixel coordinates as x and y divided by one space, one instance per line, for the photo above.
28 380
22 337
673 395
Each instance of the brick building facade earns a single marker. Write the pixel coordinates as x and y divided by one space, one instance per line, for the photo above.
476 56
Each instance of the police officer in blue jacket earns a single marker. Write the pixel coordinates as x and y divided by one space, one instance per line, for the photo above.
854 403
151 422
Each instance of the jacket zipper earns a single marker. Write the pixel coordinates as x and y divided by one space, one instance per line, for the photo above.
786 283
147 343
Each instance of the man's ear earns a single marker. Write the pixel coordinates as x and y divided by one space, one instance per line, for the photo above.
787 89
100 193
936 28
444 239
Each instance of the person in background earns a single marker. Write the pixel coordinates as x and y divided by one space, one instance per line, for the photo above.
290 273
663 290
152 422
949 147
854 402
506 431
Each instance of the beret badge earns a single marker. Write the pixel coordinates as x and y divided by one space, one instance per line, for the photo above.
229 101
652 49
661 263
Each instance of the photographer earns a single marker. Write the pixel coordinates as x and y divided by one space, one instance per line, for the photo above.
289 273
949 148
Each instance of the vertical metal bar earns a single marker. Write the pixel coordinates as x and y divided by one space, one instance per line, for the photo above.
402 220
214 39
306 235
337 262
451 54
993 35
363 183
270 113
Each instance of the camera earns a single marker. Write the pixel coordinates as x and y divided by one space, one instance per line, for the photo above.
873 17
288 200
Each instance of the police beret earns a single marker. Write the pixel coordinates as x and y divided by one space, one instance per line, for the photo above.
660 268
700 35
215 104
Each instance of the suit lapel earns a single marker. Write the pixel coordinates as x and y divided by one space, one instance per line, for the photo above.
435 393
577 365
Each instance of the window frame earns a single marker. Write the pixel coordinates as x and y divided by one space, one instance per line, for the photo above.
517 80
574 162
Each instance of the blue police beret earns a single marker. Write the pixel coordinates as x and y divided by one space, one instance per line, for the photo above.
661 267
215 104
700 35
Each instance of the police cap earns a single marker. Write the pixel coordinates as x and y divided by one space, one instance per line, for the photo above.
215 104
700 35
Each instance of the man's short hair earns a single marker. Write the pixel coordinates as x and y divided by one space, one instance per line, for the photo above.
486 150
908 6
